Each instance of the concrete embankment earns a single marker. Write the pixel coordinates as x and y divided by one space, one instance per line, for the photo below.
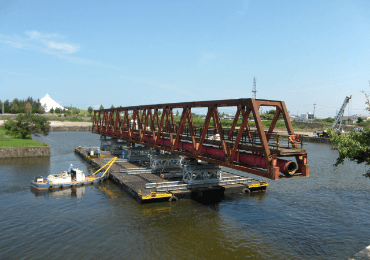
70 129
13 152
57 126
66 126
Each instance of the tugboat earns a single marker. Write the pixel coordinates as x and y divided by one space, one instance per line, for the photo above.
74 177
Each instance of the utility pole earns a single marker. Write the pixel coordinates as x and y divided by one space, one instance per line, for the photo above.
314 108
254 90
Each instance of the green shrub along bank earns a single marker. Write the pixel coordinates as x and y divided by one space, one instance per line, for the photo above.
9 141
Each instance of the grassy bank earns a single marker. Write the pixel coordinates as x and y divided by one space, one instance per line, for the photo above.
9 141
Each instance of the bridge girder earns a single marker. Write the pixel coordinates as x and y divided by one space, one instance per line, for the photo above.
239 147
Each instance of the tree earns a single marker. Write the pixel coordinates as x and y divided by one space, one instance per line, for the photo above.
7 107
26 124
101 107
90 110
52 110
28 108
14 108
354 146
41 109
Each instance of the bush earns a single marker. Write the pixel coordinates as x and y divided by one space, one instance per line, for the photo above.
26 124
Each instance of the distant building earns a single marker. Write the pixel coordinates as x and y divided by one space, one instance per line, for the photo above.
308 116
352 119
294 118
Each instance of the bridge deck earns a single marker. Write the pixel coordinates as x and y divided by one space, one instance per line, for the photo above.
237 147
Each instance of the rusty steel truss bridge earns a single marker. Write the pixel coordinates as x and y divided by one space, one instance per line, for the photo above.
241 146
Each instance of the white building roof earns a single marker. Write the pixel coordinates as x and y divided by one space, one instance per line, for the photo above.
47 102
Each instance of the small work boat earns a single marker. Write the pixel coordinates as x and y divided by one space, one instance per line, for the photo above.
65 180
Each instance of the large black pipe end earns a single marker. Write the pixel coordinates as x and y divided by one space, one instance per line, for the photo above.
290 168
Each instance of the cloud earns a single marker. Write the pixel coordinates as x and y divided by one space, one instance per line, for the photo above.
68 48
36 41
38 35
19 74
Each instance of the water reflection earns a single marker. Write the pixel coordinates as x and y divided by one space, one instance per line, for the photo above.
70 192
112 194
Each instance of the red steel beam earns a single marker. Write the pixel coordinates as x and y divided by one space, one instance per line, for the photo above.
144 125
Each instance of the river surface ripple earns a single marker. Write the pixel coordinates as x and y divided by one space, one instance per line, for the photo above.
325 216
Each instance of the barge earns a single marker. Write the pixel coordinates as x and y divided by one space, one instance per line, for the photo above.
149 177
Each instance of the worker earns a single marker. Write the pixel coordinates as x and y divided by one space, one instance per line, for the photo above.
98 152
70 169
72 172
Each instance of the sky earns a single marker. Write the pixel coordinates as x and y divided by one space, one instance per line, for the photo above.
129 53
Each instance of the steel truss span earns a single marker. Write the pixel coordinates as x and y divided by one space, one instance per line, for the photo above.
241 147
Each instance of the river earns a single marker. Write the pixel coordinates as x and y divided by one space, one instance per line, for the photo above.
324 216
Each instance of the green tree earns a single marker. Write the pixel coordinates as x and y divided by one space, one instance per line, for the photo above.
28 108
90 110
354 146
14 108
7 107
26 124
41 109
52 110
101 107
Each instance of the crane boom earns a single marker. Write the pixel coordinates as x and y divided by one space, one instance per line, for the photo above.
341 111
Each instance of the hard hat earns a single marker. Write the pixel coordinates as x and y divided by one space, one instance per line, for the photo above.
71 164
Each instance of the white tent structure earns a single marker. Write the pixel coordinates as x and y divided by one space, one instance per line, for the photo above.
47 102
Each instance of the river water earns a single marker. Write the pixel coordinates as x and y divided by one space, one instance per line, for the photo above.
325 216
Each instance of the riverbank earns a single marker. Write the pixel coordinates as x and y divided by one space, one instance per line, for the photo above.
11 147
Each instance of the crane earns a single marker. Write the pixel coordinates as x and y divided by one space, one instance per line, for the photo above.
338 118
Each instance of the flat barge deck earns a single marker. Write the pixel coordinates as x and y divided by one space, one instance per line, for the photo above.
139 185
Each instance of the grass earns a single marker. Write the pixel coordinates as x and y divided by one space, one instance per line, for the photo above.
9 141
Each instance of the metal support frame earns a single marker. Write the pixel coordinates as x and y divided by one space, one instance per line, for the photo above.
154 126
166 162
201 173
114 145
139 154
